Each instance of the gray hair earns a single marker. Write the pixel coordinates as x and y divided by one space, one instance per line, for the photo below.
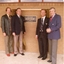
53 8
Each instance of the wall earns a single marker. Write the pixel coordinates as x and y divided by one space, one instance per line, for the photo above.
63 28
31 42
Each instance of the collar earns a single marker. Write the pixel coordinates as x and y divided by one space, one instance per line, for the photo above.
18 16
44 17
8 15
53 15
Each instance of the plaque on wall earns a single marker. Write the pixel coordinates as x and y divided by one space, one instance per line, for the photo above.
9 1
30 18
31 0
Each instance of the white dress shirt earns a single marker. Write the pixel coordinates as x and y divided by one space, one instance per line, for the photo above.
43 19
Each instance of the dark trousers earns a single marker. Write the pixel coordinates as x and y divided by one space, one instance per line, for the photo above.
43 44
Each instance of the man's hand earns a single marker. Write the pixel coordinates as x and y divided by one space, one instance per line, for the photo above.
48 30
13 33
4 34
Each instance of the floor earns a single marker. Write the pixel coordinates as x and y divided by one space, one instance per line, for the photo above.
29 58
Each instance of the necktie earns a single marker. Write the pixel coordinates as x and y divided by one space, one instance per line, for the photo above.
20 22
42 21
50 18
41 28
9 21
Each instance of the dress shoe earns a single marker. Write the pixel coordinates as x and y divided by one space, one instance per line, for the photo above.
22 53
44 58
8 54
40 56
15 54
49 61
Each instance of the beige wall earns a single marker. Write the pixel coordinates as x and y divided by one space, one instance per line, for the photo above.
31 42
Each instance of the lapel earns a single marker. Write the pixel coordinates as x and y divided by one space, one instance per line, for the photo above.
6 16
53 19
40 21
17 18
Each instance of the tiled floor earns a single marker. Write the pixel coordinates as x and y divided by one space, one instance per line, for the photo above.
29 58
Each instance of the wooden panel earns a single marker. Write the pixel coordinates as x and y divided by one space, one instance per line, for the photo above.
31 42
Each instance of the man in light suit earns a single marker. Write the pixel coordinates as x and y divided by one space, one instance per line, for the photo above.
41 34
6 29
53 34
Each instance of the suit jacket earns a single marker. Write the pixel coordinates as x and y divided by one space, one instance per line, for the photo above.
45 26
55 25
16 24
5 24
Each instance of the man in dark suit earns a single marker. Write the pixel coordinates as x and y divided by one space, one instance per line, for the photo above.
18 29
41 34
53 34
6 29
